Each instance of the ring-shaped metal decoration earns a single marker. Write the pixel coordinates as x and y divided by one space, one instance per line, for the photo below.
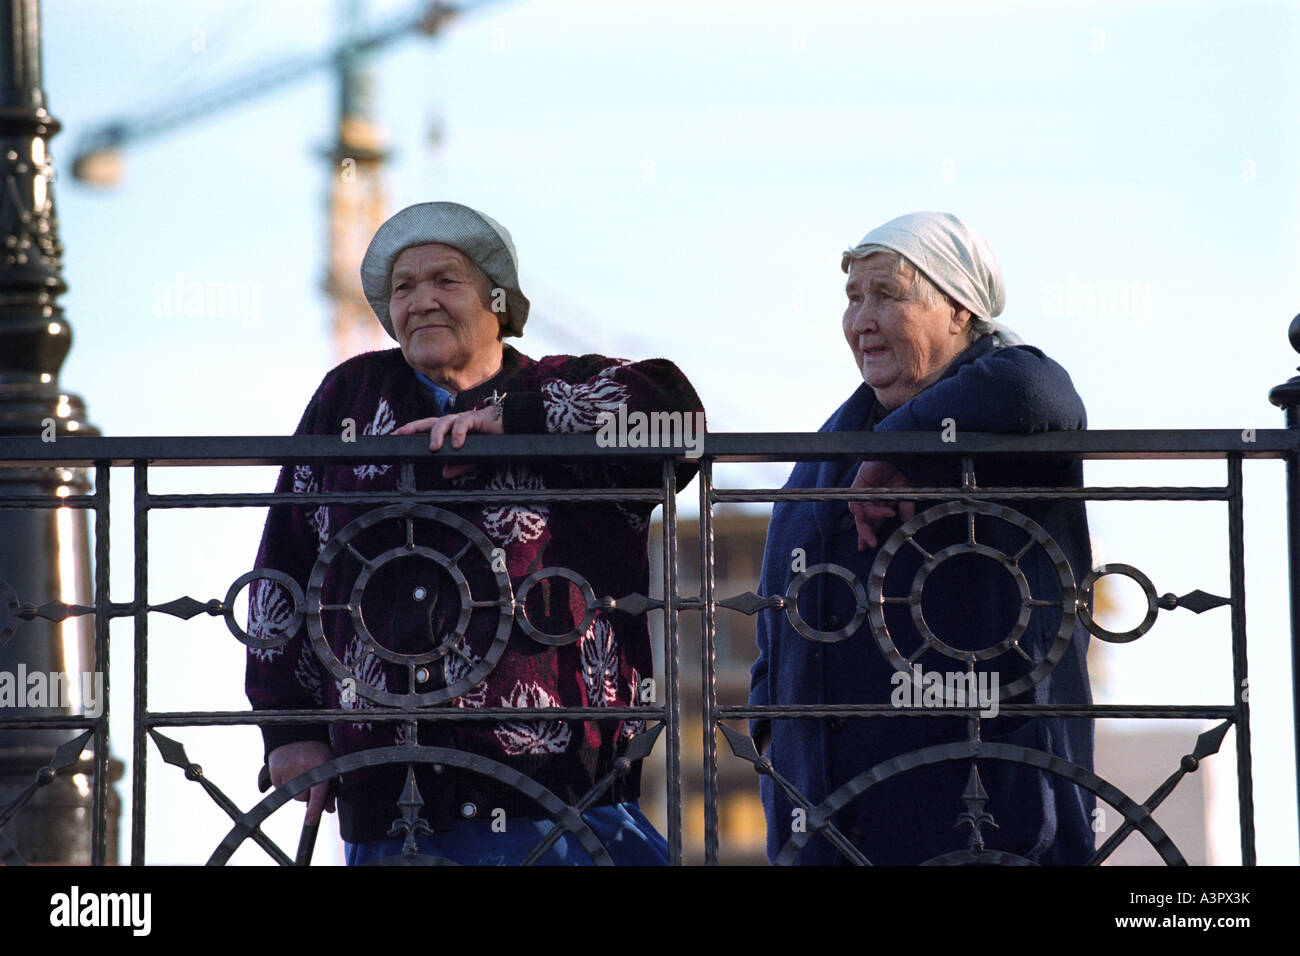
9 601
1037 535
441 647
807 630
984 653
588 596
264 574
556 808
1134 813
1148 589
339 543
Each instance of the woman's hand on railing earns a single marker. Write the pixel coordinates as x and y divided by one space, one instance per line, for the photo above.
458 425
870 515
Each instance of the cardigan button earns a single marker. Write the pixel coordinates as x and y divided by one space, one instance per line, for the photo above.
468 810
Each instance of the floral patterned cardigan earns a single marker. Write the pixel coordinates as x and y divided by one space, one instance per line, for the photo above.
413 603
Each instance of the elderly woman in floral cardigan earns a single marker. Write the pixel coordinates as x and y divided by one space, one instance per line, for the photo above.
398 583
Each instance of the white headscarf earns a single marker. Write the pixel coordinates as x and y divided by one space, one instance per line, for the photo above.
951 255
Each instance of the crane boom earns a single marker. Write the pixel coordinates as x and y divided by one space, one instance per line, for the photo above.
94 162
356 204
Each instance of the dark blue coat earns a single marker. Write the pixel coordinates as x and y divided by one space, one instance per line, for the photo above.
969 602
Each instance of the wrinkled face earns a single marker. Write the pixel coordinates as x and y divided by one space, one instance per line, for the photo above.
900 344
439 305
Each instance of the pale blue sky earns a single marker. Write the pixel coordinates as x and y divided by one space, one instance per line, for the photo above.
680 179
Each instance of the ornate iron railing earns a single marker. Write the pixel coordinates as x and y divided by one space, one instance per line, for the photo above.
96 458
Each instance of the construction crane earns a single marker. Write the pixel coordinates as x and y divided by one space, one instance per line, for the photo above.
357 204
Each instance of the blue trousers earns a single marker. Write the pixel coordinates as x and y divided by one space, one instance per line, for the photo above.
622 828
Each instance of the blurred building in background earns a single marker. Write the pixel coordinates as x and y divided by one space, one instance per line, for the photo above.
742 831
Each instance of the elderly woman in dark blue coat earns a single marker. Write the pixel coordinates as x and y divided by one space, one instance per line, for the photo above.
922 291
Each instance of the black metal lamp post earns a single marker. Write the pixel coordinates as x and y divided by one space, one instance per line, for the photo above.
44 552
1287 397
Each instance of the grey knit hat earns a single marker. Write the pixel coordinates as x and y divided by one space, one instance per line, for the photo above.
485 241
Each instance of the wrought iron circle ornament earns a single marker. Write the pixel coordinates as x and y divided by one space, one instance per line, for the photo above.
791 603
1132 812
281 636
588 596
905 535
9 601
475 542
556 808
1148 589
